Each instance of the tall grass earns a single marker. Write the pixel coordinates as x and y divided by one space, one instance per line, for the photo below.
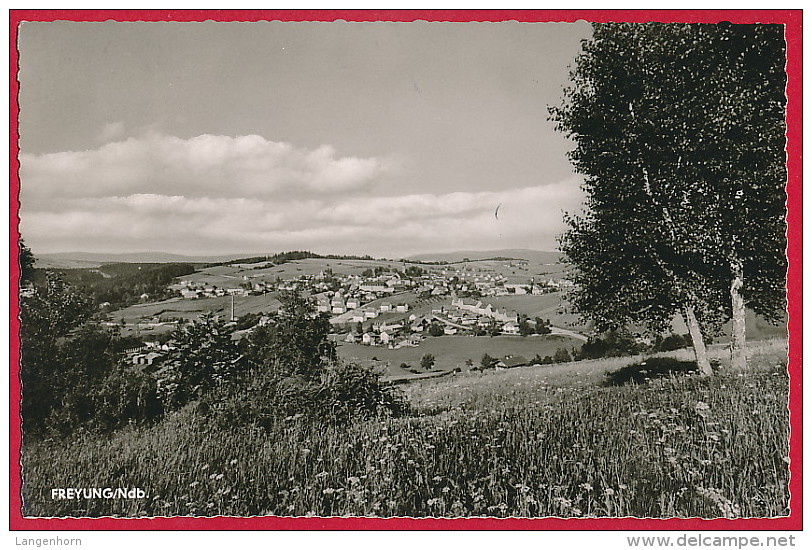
519 443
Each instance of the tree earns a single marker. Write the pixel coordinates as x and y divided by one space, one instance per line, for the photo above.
681 148
562 355
488 362
427 361
294 342
542 326
202 357
524 327
27 262
436 330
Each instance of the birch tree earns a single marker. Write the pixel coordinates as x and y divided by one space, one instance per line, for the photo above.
679 134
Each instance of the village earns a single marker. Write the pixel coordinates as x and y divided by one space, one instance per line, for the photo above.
392 306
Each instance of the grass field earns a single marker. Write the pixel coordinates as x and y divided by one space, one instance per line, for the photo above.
192 309
526 442
452 351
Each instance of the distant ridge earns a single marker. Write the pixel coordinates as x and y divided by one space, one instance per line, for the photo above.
94 259
66 260
540 256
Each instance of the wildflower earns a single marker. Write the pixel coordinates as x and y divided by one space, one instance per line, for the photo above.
233 461
194 484
433 501
329 491
321 474
354 480
623 486
586 487
218 477
437 478
609 491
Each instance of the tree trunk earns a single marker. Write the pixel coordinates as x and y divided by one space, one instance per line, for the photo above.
699 343
738 349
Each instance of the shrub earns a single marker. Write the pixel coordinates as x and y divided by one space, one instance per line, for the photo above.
343 391
673 342
655 367
126 395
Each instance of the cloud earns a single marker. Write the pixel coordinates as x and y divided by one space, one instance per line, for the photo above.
202 166
391 226
221 195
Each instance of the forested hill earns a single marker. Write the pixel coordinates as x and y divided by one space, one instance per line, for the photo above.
122 284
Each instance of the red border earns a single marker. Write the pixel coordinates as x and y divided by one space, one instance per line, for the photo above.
793 21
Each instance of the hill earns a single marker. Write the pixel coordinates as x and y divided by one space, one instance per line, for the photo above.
534 256
71 260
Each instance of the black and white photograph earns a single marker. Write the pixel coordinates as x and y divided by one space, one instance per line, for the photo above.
422 269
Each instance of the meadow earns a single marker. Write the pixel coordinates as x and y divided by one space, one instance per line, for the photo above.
530 442
452 351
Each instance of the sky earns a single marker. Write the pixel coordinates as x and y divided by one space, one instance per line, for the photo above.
388 139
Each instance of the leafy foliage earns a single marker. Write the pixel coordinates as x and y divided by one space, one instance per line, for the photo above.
202 357
294 342
682 149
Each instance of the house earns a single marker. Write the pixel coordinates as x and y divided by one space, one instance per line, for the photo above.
370 313
337 305
189 294
512 361
415 339
353 303
510 328
148 359
402 308
385 307
357 317
368 338
385 337
351 338
449 330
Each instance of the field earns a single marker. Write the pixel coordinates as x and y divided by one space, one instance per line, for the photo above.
225 276
452 351
178 308
533 442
